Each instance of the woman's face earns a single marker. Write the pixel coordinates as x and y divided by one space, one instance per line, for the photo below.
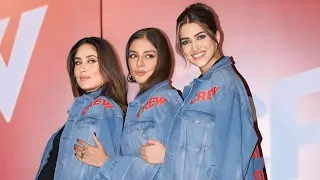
86 69
197 47
142 61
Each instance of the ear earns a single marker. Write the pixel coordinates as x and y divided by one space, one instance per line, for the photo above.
218 36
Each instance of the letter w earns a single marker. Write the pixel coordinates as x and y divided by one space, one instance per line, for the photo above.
12 76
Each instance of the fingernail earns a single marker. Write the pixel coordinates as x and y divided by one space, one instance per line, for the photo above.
95 133
78 140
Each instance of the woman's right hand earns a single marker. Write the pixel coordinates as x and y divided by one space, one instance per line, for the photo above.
91 155
153 152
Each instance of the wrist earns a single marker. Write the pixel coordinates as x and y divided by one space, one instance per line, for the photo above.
103 160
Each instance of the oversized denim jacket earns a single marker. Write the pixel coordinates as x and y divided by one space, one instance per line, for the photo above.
149 116
212 136
90 113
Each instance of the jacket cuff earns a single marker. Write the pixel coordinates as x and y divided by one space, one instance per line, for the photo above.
106 169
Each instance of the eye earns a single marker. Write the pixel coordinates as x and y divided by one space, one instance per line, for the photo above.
185 42
201 36
131 56
149 56
92 61
77 62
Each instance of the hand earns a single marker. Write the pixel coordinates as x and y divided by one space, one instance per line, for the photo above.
153 152
91 155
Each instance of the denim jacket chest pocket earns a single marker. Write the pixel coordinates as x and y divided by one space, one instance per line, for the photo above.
139 127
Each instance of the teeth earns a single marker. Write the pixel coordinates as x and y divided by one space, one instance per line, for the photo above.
198 55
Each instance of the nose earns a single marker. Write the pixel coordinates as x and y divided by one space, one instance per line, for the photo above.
140 62
83 68
195 46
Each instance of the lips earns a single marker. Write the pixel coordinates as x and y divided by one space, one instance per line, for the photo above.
140 73
199 55
84 78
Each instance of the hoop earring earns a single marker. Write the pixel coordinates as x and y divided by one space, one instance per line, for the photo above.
130 79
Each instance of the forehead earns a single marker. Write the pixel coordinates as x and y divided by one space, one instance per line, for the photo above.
190 29
141 45
86 50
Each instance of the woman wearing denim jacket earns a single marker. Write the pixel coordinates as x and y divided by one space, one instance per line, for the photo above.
150 63
212 136
99 89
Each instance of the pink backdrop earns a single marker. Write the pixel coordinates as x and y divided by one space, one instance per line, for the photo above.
274 44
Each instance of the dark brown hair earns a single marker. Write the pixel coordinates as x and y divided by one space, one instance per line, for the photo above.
202 15
164 65
110 69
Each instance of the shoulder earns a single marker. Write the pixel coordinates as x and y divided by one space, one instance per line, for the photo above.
102 106
167 92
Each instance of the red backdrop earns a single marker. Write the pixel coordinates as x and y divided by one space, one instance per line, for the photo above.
274 44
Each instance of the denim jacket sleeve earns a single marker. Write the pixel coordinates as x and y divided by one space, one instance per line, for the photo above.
240 136
131 167
108 129
46 153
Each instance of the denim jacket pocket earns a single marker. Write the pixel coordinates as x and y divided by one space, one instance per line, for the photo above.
145 130
198 125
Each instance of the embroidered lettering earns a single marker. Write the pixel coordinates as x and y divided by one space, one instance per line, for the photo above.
256 153
205 95
105 103
258 175
158 101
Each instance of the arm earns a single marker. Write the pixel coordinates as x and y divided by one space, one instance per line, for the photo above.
154 151
116 167
238 134
109 132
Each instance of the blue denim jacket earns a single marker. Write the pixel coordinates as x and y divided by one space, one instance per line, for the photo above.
212 136
149 116
89 113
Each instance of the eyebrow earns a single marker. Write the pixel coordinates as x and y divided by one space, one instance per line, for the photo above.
86 57
144 51
194 35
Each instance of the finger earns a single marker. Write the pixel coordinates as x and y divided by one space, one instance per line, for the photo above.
96 140
153 142
142 148
84 144
78 148
78 154
142 153
144 158
78 157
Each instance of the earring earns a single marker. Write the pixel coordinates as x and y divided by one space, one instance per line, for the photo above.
130 79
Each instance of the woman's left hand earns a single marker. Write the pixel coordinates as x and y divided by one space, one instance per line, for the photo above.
91 155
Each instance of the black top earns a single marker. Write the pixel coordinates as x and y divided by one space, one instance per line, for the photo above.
47 172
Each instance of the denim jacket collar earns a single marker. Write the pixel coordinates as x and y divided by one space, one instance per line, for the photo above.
93 95
141 98
224 61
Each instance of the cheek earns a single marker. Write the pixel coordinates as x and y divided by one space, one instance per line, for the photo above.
76 71
153 65
186 49
209 44
131 63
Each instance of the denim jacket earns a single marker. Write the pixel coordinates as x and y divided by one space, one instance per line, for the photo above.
90 113
149 116
212 136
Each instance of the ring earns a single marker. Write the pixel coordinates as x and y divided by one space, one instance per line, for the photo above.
82 153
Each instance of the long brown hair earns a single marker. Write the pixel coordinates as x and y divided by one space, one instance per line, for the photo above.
165 62
110 69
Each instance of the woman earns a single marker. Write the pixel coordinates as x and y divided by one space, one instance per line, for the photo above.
99 89
212 136
149 116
